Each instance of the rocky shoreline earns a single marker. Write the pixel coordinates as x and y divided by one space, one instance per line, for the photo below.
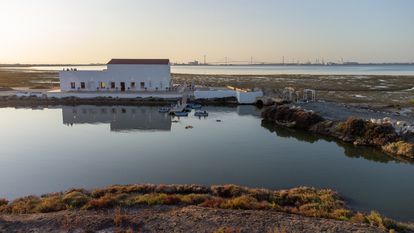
357 131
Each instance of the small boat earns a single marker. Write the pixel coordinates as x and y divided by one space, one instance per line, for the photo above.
180 113
201 113
194 106
164 109
189 127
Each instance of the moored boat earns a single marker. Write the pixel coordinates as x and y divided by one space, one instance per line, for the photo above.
201 113
180 113
164 109
194 106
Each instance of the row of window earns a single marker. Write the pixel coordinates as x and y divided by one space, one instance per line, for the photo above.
112 85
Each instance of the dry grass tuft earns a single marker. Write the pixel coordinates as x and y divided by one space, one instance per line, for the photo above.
400 148
119 217
226 230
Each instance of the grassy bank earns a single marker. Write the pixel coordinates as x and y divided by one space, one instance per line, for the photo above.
311 202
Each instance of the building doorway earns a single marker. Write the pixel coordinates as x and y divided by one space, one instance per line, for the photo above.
122 86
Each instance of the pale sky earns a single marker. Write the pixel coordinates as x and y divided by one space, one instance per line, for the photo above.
88 31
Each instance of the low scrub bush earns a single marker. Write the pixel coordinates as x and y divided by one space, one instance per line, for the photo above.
3 202
75 199
227 191
50 204
242 202
107 201
400 148
24 205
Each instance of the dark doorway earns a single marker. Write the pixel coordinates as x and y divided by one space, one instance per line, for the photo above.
122 86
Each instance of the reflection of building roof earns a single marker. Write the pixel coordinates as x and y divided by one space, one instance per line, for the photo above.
120 118
139 62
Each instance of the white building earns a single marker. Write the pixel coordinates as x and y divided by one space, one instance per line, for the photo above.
121 75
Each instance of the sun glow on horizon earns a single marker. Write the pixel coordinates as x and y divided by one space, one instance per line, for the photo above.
93 31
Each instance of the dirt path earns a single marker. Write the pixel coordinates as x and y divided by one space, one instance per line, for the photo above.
340 111
174 219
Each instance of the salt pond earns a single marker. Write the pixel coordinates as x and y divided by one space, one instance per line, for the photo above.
56 148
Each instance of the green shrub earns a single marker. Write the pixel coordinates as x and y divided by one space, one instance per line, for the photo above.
75 199
150 199
243 202
375 219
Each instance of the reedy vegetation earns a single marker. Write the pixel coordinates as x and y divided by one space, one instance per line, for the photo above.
305 201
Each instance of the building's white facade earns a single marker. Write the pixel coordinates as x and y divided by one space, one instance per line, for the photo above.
243 97
121 75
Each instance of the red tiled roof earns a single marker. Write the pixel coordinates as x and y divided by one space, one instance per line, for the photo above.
139 61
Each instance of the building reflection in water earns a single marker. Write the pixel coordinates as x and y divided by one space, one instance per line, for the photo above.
120 118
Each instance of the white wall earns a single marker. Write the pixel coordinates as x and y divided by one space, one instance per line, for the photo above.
211 94
154 77
242 97
248 97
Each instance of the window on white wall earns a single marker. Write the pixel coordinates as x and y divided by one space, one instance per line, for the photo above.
72 85
142 84
101 85
112 85
83 85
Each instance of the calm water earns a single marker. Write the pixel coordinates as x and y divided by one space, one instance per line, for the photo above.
274 69
87 146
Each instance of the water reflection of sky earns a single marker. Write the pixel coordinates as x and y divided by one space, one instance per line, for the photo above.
58 148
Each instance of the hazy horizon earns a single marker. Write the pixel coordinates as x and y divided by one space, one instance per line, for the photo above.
93 31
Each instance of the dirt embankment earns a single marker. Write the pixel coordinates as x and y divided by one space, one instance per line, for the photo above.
356 131
175 219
